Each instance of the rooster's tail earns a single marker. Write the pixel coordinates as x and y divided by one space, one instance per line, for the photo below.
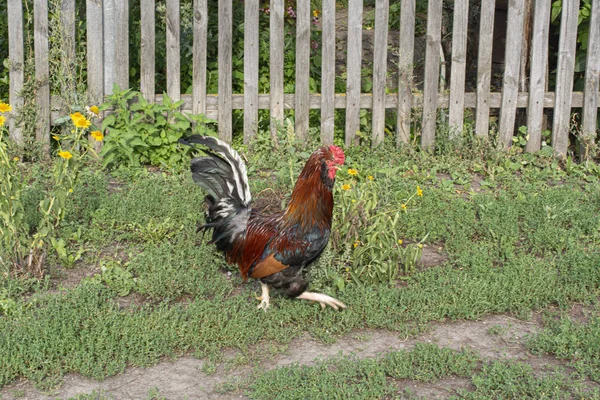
222 173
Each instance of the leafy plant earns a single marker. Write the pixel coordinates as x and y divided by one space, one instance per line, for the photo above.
65 255
142 133
116 277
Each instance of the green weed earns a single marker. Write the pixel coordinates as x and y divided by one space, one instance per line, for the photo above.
574 341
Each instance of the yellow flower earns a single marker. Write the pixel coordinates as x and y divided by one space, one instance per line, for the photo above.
419 191
80 121
316 13
16 159
354 200
399 241
403 207
5 107
346 187
65 154
370 177
352 171
420 245
2 120
55 137
95 110
356 244
76 115
71 190
97 135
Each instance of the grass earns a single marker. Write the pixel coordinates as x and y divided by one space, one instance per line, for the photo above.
527 240
348 377
577 342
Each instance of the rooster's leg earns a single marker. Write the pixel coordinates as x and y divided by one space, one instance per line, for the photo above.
264 298
323 299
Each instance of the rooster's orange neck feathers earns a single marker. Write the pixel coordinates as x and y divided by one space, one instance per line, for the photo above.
312 201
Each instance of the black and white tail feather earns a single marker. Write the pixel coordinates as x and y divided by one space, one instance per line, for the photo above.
222 173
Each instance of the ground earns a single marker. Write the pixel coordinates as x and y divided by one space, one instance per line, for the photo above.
497 337
504 301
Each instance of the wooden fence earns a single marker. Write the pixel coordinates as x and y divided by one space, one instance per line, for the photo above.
108 63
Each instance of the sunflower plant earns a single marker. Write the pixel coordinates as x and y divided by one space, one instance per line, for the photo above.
26 247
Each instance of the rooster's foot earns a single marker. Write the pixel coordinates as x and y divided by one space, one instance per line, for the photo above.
264 298
323 299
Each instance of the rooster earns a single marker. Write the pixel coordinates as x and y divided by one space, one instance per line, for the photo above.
273 248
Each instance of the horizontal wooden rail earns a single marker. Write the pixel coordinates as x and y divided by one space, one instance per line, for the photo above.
366 101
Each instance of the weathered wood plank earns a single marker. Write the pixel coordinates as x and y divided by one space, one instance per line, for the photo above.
303 17
16 59
564 76
484 67
148 49
592 79
328 71
199 56
173 51
354 66
251 47
405 70
510 88
225 82
537 81
67 20
366 101
42 95
380 69
432 71
95 50
276 65
122 43
459 65
109 29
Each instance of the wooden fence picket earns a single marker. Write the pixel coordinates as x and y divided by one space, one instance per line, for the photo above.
432 73
148 50
42 72
564 75
303 18
225 84
592 79
328 71
16 57
510 89
484 68
276 65
459 65
199 56
354 68
173 50
250 69
537 81
122 43
380 70
405 70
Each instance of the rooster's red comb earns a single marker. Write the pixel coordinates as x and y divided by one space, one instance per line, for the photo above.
338 154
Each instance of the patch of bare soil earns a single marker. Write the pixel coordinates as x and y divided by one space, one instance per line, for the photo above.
432 255
442 389
494 337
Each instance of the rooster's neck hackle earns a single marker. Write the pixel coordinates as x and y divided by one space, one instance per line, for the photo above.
312 199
